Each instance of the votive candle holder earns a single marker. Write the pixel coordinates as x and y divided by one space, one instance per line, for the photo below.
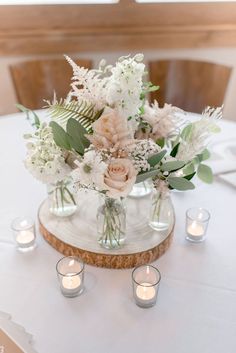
197 220
70 273
145 281
24 233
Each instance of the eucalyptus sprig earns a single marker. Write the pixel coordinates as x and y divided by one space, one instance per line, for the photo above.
30 115
71 139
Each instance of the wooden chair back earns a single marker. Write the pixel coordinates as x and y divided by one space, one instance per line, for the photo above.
37 80
190 85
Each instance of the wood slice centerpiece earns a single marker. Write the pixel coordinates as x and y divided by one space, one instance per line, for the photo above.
76 235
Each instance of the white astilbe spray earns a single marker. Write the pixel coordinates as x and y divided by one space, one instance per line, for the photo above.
87 85
141 151
197 136
44 159
90 171
164 121
124 87
118 86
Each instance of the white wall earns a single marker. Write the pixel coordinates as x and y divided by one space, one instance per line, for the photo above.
225 56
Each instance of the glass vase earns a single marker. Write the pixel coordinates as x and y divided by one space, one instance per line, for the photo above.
62 200
141 189
162 213
111 223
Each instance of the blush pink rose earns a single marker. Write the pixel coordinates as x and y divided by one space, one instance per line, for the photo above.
119 177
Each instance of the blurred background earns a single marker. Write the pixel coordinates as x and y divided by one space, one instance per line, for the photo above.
162 30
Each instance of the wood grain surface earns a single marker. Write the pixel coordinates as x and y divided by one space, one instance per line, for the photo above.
37 80
127 25
77 235
188 84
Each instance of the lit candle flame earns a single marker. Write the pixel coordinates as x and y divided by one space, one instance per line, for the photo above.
71 263
23 223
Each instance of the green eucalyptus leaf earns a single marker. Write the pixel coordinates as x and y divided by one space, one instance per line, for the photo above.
29 112
174 151
204 155
189 176
186 132
156 158
205 173
60 136
143 176
180 183
196 160
189 169
172 166
77 137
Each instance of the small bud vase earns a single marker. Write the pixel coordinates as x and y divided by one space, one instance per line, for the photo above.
62 199
141 189
111 223
162 214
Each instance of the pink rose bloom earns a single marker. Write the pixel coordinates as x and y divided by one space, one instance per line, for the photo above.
119 178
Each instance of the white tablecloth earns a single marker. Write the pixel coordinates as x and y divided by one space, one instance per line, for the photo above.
196 309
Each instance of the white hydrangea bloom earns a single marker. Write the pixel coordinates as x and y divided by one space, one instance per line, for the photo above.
90 171
124 88
44 159
196 140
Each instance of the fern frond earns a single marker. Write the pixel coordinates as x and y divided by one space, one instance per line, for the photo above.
83 111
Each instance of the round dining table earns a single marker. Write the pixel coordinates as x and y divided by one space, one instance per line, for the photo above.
196 305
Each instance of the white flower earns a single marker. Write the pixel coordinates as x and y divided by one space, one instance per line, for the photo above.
90 171
140 153
44 159
163 121
118 86
88 86
124 88
196 138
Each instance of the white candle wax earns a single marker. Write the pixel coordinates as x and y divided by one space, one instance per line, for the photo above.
145 292
71 281
25 237
195 229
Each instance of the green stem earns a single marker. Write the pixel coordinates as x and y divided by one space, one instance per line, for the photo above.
112 226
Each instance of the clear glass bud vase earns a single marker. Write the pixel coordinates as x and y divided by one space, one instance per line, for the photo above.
111 223
162 214
62 199
141 189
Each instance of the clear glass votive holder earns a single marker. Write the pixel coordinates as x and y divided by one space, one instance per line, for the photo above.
197 220
24 233
70 273
145 280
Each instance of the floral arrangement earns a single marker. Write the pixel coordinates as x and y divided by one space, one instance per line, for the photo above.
108 137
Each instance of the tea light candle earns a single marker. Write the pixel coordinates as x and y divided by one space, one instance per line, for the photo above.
146 281
24 233
70 271
145 292
71 281
25 237
195 229
196 224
